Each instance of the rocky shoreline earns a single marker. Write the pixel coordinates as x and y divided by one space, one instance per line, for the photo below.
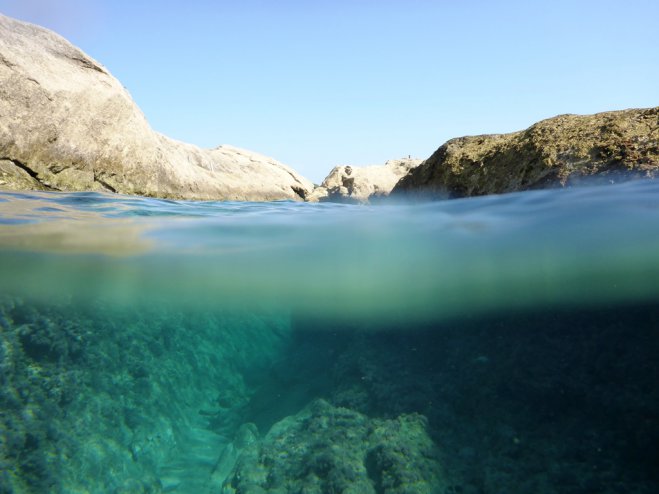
68 125
353 184
560 151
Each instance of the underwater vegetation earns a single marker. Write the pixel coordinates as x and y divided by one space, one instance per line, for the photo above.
158 401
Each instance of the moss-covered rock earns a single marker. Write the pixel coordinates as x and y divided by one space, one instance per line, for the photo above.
555 152
328 449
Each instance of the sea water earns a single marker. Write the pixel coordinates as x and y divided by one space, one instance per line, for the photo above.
486 345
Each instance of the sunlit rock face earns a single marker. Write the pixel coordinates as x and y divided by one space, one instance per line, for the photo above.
560 151
67 124
359 184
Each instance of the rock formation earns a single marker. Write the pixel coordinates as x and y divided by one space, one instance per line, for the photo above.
559 151
67 124
330 449
359 184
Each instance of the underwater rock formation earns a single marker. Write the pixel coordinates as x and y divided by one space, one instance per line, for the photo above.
67 124
555 152
361 184
330 449
105 401
121 400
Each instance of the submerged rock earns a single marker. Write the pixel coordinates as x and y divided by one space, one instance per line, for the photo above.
67 124
559 151
359 184
330 449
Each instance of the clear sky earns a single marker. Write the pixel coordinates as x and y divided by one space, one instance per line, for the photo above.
318 83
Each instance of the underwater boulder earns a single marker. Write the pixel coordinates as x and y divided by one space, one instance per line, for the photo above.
332 449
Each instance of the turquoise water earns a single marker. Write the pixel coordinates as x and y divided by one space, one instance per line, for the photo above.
578 246
486 345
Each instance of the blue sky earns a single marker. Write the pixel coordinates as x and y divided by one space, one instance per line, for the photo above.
316 84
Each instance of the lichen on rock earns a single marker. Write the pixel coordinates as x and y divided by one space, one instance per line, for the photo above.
560 151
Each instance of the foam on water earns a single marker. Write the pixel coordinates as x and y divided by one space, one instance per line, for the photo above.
579 247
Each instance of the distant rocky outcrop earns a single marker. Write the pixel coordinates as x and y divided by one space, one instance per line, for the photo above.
359 184
560 151
67 124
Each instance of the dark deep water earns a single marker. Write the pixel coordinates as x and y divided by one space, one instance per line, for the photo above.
505 344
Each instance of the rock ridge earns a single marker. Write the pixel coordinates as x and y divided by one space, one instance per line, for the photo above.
559 151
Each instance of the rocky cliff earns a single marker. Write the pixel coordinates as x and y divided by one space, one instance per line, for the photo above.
359 184
559 151
67 124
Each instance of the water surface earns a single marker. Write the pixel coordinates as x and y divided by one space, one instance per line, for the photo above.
497 344
576 246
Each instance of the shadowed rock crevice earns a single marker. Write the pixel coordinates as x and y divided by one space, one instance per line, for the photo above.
105 185
29 171
88 64
299 191
4 61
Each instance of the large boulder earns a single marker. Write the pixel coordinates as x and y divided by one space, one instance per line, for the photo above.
67 124
559 151
361 184
331 449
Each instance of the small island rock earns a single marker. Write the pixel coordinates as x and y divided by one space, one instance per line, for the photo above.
361 184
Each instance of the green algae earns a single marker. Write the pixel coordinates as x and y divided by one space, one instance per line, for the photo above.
94 397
